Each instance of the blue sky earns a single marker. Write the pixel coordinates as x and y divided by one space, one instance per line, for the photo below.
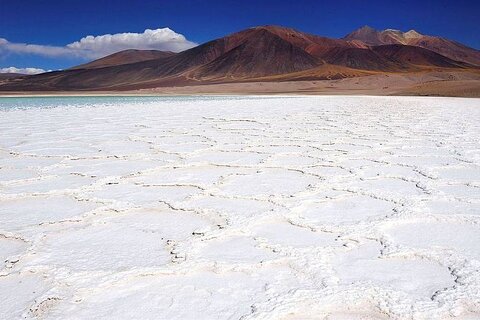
35 33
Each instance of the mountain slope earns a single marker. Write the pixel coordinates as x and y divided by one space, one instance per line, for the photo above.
125 57
416 56
448 48
358 58
445 47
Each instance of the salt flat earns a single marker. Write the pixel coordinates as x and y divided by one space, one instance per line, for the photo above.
241 208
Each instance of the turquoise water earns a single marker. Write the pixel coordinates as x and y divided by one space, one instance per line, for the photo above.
13 103
7 103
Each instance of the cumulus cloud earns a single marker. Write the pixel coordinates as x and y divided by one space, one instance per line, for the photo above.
90 47
22 70
159 39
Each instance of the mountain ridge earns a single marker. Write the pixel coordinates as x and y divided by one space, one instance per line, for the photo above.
449 48
267 52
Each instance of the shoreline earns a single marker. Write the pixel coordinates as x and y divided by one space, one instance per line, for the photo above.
426 84
267 94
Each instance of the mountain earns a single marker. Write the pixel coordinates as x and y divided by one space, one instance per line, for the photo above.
257 53
265 53
125 57
445 47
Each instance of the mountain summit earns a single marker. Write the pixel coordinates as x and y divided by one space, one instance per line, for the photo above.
448 48
373 37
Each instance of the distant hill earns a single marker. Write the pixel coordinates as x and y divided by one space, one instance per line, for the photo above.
265 53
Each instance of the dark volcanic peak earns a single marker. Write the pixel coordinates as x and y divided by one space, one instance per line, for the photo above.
261 53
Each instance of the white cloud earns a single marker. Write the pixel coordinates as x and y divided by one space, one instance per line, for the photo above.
22 70
42 50
160 39
91 47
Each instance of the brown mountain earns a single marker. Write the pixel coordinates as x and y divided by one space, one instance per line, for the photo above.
125 57
416 56
258 52
267 53
445 47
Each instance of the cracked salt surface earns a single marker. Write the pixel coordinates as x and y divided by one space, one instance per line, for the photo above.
241 208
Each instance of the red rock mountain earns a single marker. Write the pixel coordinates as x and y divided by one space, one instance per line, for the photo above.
445 47
267 53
